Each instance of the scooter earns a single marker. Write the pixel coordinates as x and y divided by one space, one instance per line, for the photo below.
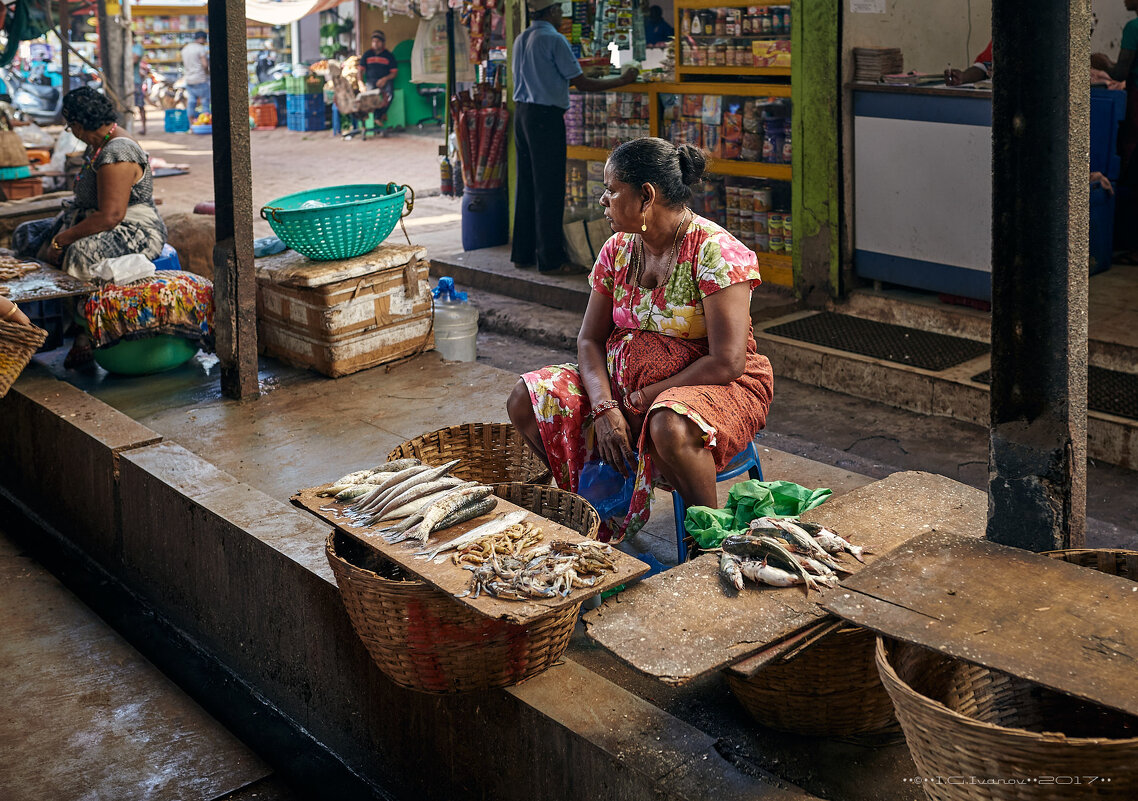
41 102
164 89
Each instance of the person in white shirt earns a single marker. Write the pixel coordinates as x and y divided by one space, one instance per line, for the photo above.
195 69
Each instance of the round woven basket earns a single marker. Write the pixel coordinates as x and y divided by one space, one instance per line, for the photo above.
830 688
977 733
424 640
490 452
18 343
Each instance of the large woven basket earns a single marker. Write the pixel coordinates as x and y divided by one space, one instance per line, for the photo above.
424 640
977 733
831 688
490 452
18 343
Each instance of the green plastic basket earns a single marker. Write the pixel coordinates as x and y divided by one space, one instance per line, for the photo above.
353 220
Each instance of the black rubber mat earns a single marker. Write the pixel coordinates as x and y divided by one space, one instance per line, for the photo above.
1108 391
894 343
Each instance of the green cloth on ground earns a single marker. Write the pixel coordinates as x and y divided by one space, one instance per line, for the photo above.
746 501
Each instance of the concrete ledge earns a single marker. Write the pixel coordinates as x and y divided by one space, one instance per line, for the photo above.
491 270
245 576
951 393
61 448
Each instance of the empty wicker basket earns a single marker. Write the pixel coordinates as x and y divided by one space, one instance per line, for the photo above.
830 688
490 453
425 640
977 733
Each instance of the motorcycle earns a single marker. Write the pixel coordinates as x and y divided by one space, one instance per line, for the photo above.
163 89
38 100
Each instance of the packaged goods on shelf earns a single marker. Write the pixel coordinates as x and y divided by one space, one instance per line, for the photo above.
733 128
606 120
756 36
756 212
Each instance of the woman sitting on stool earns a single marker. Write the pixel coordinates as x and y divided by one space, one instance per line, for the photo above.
113 214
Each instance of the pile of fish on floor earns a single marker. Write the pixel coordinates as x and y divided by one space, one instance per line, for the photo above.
505 555
785 553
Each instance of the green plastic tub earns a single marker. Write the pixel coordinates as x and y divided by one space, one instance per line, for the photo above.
145 356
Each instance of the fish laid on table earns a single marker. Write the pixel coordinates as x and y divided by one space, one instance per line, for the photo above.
498 524
795 535
387 482
759 548
353 491
362 476
440 509
729 568
832 542
421 497
394 494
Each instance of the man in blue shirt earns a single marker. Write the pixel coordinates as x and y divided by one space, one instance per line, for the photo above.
543 69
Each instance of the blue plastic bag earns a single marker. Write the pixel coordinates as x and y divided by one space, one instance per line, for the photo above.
606 489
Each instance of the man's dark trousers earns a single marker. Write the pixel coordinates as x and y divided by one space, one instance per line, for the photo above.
539 137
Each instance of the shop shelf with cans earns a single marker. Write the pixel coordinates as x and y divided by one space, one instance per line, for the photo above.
775 266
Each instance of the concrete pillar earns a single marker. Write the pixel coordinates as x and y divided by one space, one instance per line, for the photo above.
234 283
115 60
1041 147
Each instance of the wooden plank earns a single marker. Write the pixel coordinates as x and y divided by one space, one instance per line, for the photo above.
452 579
685 622
46 283
1060 625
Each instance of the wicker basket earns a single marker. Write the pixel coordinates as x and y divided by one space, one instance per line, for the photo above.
17 345
830 688
490 452
424 640
963 721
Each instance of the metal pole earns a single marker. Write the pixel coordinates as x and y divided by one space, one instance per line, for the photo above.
1040 142
64 38
234 284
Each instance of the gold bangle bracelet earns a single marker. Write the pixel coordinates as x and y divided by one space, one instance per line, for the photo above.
55 245
10 312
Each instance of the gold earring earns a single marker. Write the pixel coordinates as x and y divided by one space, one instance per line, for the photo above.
643 223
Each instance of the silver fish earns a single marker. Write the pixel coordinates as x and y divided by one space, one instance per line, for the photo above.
353 491
833 542
764 573
468 511
499 523
434 514
393 493
372 499
431 492
729 569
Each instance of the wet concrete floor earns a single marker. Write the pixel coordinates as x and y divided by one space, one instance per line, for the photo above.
88 717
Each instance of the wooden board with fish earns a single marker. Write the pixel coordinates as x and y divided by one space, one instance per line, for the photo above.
1060 625
687 622
453 579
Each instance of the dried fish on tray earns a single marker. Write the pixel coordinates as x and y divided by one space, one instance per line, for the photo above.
513 566
570 569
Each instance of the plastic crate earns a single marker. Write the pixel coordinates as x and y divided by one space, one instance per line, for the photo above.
13 173
168 260
307 121
1101 229
264 115
304 86
51 316
282 108
304 103
22 187
177 120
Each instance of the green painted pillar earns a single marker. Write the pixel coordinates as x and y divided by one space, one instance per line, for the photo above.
815 87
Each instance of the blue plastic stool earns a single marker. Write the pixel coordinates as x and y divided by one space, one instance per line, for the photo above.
168 260
746 462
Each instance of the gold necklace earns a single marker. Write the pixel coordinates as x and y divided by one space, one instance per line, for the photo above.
662 284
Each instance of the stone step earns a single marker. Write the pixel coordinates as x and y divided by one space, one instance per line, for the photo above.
948 393
490 270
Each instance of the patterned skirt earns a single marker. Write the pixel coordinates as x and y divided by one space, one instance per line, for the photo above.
169 302
729 416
